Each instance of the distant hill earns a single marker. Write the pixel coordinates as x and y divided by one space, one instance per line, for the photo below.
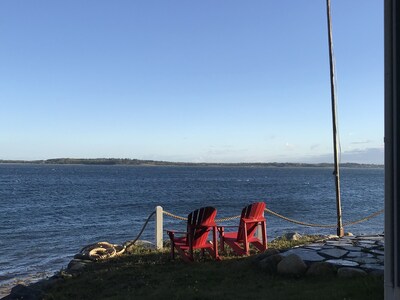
138 162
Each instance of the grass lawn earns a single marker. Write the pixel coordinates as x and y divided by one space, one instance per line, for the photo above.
147 274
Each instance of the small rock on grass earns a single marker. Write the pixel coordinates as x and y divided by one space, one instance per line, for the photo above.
292 236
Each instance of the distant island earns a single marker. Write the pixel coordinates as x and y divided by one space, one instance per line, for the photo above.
138 162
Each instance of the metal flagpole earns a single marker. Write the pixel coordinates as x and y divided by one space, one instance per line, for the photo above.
340 231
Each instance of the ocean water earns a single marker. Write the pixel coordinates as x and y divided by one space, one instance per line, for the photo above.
49 212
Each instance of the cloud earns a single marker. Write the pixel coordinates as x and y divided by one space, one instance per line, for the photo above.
289 147
362 156
315 146
361 142
368 155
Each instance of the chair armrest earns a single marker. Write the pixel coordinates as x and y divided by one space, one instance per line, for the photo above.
228 226
174 231
253 220
201 226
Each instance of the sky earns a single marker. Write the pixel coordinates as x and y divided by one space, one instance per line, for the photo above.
190 81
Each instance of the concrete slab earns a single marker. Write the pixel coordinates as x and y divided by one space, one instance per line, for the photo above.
336 253
305 254
342 262
351 248
359 254
372 267
365 260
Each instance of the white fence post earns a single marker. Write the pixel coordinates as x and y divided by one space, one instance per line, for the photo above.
159 227
259 230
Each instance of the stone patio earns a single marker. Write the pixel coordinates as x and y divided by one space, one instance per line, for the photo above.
364 252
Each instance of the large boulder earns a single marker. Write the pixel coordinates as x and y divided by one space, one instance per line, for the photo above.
291 265
270 263
265 254
321 269
21 291
348 272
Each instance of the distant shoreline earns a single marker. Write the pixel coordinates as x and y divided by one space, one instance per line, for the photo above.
138 162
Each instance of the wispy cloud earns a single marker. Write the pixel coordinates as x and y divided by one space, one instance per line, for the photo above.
289 146
366 156
361 142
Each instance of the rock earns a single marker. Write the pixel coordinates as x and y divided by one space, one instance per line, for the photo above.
321 269
292 236
24 292
139 243
343 262
347 272
305 254
348 234
270 263
335 253
77 265
265 254
377 273
332 236
292 265
46 283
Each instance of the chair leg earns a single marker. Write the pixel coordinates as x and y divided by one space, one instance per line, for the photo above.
264 236
221 240
246 243
215 243
172 250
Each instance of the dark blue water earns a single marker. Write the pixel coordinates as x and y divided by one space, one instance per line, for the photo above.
48 212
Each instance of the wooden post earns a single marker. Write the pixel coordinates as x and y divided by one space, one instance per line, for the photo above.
340 231
159 227
259 231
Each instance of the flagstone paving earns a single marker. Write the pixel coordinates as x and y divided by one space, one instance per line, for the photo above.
365 252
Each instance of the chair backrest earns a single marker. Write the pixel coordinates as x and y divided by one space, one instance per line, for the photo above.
204 216
253 211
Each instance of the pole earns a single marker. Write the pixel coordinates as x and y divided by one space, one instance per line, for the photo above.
159 228
340 231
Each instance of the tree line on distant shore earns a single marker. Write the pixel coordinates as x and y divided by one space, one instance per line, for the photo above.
138 162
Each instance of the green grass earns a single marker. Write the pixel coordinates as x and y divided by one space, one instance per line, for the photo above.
146 274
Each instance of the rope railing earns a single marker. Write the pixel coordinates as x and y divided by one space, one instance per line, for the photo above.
159 212
184 219
141 231
324 225
289 219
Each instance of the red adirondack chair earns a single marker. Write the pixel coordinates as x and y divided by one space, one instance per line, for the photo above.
252 216
199 224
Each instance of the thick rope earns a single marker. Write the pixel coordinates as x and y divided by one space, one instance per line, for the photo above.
289 219
141 231
366 218
298 222
227 219
327 225
185 219
174 216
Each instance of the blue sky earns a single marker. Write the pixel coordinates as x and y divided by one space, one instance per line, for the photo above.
196 81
